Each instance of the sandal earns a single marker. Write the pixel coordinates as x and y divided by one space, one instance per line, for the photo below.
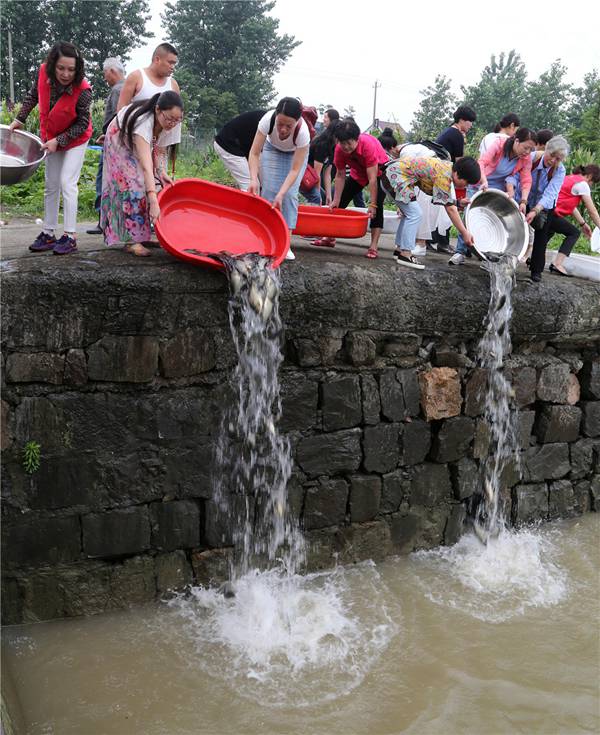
371 253
138 249
324 242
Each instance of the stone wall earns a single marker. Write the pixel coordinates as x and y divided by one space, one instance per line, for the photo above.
120 371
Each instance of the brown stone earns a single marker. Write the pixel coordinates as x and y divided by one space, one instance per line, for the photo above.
440 393
75 368
5 437
475 392
36 367
188 353
573 391
123 359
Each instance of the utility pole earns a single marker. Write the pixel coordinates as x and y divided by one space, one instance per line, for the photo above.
11 83
375 87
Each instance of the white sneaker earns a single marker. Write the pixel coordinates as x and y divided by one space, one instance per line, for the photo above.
419 251
290 255
457 259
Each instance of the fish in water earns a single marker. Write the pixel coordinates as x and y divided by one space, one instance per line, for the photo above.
256 298
227 590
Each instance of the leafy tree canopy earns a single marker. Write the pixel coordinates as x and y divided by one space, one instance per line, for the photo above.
228 54
435 110
501 89
100 28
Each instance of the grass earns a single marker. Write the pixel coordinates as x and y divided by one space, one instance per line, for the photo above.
27 199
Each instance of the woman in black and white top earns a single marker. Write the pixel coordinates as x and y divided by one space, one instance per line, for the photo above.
278 158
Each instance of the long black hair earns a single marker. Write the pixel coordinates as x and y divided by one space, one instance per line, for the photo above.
509 119
164 101
522 135
64 48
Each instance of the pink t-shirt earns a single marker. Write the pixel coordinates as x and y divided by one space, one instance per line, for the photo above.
368 152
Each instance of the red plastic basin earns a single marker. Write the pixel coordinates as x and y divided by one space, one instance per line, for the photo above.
199 218
326 222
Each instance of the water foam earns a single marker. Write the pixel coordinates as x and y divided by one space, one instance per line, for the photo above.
516 571
290 640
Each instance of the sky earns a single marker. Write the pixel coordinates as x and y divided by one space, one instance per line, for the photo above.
347 47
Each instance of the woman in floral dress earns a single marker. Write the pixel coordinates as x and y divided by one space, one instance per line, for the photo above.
436 178
135 158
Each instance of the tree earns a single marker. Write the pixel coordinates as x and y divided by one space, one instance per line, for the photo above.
501 89
435 109
547 100
587 133
584 97
226 49
100 28
28 26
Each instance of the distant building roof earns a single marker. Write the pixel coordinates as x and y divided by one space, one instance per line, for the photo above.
382 124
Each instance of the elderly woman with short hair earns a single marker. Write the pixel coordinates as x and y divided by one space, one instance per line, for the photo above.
548 174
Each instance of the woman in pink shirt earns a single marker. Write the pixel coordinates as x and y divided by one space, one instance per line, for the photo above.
365 156
504 159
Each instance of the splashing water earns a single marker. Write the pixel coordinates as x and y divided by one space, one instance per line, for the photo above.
515 571
288 639
253 462
276 637
500 415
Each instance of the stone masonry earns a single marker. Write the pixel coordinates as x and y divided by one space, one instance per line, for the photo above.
120 373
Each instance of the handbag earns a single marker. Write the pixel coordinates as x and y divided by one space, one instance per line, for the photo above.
310 179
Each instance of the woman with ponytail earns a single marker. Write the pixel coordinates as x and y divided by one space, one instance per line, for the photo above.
135 160
504 129
278 158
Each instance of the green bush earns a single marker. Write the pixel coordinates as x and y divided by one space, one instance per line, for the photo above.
27 199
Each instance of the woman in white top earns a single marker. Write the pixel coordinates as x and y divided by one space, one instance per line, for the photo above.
135 156
504 129
278 158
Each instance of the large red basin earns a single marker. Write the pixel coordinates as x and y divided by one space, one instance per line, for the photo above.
207 218
326 222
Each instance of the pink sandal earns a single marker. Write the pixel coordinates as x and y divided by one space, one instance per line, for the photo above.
371 253
324 242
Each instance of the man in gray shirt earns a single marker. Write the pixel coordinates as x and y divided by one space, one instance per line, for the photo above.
114 75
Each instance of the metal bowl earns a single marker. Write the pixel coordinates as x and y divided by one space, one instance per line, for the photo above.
497 225
20 155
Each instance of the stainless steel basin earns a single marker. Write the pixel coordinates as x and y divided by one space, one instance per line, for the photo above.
20 155
497 225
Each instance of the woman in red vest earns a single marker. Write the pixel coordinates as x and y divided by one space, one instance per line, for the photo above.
575 189
64 98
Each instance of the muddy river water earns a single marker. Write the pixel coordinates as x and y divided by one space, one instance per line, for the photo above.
468 639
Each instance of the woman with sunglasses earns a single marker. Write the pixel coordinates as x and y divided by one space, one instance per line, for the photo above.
64 98
135 158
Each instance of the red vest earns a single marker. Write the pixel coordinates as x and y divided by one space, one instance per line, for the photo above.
55 121
567 202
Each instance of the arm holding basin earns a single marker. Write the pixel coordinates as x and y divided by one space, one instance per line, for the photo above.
452 212
254 162
298 161
143 153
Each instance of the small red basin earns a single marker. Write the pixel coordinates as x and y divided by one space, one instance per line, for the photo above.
199 218
325 222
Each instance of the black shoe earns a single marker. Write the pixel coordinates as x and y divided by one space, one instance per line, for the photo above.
443 248
554 269
96 231
536 277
